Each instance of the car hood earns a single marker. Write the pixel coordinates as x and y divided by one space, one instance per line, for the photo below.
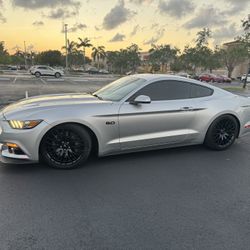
50 101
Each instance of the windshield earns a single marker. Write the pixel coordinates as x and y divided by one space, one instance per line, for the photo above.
120 88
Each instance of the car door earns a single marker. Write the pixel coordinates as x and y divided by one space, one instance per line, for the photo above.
168 119
50 71
43 70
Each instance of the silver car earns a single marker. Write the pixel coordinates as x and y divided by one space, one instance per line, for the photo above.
138 112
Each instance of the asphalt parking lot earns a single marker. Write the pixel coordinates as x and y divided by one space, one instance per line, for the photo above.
182 198
14 87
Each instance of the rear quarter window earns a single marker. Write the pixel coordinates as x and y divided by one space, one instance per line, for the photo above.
200 91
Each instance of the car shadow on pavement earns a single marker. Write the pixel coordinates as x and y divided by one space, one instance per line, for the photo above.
153 157
95 161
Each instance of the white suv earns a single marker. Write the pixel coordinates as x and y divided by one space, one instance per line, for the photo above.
41 70
243 78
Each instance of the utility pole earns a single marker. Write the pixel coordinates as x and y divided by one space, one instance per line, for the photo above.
25 55
66 45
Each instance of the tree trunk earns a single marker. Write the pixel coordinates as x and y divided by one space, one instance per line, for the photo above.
84 58
245 81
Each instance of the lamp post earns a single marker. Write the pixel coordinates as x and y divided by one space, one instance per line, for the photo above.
25 55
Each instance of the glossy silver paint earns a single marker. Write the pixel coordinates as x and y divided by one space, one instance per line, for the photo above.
121 126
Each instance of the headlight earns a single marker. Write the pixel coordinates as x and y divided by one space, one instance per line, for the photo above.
24 124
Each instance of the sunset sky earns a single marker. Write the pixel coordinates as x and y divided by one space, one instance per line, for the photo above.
118 23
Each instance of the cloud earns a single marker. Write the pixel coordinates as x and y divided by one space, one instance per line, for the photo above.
61 13
176 8
141 1
135 30
37 4
117 15
76 27
154 26
226 33
2 18
97 28
118 38
236 6
159 34
38 23
206 17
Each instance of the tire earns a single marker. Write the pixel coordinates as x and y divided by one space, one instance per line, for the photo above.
38 74
57 75
222 133
66 146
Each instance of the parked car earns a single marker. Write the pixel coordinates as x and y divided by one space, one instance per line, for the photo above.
243 78
137 112
92 70
226 78
183 74
103 71
41 70
210 78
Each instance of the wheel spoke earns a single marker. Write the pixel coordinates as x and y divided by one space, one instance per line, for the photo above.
64 146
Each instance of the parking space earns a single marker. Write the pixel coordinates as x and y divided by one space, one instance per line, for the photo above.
14 87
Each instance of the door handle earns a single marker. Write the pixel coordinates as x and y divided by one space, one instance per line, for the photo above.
186 108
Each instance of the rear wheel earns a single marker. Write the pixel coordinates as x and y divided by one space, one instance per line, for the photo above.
37 74
66 146
222 133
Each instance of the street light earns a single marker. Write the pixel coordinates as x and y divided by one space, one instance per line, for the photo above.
66 45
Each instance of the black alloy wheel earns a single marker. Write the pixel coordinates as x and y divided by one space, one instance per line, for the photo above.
66 146
222 133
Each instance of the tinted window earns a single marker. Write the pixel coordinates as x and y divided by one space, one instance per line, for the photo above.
200 91
42 67
165 90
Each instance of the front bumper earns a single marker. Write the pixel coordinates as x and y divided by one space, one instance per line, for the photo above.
28 142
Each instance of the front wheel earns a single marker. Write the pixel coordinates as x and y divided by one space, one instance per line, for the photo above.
66 146
57 75
222 133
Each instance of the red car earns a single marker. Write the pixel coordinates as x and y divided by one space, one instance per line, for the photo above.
226 79
210 78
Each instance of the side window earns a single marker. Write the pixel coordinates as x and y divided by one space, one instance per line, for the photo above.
165 90
42 67
200 91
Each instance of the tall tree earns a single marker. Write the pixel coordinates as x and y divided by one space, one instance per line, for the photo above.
71 49
162 56
202 37
98 53
246 40
50 57
84 43
4 55
233 55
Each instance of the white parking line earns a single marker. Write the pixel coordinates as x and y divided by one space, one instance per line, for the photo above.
43 81
4 79
14 80
80 80
55 80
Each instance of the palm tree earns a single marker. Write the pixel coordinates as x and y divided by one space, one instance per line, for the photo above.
84 43
70 49
98 53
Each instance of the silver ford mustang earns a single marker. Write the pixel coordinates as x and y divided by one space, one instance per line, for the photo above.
138 112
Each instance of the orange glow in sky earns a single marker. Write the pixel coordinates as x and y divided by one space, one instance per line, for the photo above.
118 23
